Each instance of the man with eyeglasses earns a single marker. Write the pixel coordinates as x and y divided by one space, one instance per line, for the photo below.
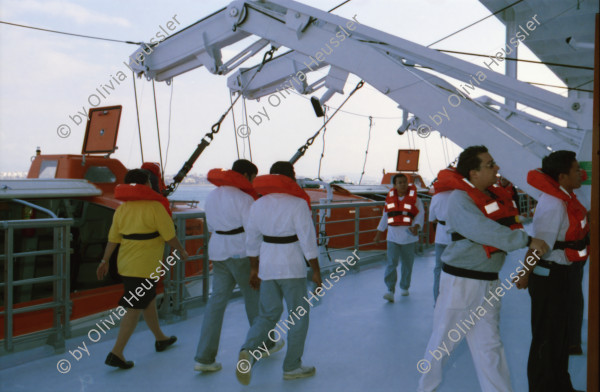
482 219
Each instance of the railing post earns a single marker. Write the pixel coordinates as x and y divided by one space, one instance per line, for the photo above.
356 227
66 247
57 337
206 265
8 289
180 270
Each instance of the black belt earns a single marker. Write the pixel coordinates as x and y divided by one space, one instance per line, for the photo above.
465 273
576 245
508 221
457 237
392 214
141 237
237 230
280 240
546 264
550 264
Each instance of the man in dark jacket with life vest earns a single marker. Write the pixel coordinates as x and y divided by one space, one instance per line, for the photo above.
403 216
560 220
227 208
482 220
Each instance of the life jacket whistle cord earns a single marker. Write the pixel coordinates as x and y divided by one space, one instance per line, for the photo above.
577 240
134 192
224 177
401 213
278 183
499 207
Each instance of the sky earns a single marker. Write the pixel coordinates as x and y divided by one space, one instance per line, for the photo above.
47 78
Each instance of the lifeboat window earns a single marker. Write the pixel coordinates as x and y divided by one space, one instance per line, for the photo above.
48 169
100 174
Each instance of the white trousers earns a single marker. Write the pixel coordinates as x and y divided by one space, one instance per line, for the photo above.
467 308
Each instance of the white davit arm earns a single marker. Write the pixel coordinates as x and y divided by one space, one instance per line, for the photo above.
517 140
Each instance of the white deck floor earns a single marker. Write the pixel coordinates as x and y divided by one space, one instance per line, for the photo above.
356 340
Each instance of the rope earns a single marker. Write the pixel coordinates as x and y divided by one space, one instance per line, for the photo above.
311 139
208 138
162 168
367 150
169 134
474 23
245 112
339 5
137 112
323 152
428 161
237 146
72 34
445 150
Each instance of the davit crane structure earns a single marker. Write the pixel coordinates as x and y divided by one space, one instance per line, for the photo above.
394 66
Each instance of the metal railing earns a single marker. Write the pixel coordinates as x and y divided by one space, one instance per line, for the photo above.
177 295
60 303
327 254
526 205
179 289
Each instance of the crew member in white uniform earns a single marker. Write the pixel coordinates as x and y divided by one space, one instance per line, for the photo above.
280 230
468 304
548 364
438 212
227 209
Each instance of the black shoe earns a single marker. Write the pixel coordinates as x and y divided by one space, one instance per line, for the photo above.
113 360
163 344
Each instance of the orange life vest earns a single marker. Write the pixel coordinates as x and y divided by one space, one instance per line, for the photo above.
576 243
224 177
500 207
509 187
401 213
133 192
278 183
439 187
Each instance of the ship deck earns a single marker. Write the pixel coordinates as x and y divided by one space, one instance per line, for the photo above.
356 340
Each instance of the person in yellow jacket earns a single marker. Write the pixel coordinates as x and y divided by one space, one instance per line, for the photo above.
141 226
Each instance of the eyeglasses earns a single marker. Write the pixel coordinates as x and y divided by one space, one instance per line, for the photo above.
491 164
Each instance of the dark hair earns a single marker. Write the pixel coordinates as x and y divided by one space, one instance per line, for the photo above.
559 162
285 168
244 166
468 160
137 176
399 175
153 181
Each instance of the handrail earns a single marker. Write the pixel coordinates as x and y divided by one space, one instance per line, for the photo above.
177 296
28 204
60 303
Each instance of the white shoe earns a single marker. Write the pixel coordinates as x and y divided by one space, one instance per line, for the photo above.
389 296
277 347
211 367
301 372
403 292
243 369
